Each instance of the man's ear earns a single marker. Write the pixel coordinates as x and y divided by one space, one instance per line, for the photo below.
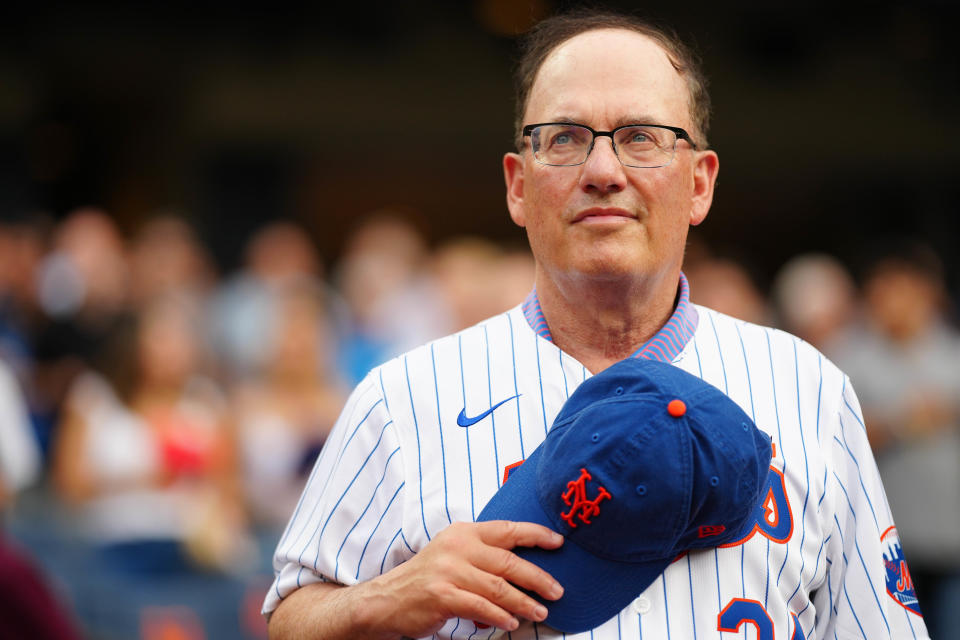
704 180
513 176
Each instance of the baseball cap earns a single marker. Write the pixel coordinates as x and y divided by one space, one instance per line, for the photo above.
643 463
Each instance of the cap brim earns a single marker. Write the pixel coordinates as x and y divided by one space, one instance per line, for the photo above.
595 589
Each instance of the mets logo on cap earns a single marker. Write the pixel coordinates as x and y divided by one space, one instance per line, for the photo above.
644 462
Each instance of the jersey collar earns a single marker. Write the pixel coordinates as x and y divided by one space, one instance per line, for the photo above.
665 345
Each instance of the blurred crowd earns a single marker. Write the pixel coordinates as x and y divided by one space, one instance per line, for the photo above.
171 413
165 415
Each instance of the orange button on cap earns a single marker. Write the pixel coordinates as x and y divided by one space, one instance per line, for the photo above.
676 408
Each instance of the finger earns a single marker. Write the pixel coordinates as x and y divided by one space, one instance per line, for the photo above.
518 571
501 593
507 534
482 611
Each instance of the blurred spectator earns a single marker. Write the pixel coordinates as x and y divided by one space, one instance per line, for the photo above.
726 286
904 364
148 455
478 279
22 246
815 299
279 255
166 257
82 288
285 412
85 276
19 453
394 304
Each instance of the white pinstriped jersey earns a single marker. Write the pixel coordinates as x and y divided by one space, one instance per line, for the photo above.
823 561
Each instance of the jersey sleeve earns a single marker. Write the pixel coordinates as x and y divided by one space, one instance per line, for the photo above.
867 593
347 526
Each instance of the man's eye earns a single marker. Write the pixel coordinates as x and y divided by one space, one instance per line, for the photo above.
639 138
562 138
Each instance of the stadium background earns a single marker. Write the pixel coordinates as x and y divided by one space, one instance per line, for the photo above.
834 123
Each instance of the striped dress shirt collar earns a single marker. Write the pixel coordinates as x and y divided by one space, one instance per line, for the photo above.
665 345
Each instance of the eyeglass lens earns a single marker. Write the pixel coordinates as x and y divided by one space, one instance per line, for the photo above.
637 146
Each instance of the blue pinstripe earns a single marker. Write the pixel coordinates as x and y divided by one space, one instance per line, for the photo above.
716 565
723 367
693 608
816 566
851 409
516 388
766 587
392 540
443 451
824 494
746 366
806 464
466 432
830 585
696 351
383 393
405 543
543 405
416 427
855 617
910 624
493 416
563 373
819 391
666 600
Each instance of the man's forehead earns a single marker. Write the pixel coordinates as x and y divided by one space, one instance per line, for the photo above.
578 48
607 63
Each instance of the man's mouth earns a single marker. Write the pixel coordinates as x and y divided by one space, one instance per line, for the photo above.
600 214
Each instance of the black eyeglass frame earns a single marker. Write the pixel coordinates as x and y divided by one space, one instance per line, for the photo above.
679 132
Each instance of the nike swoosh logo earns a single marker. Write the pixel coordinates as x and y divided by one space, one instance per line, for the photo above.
464 421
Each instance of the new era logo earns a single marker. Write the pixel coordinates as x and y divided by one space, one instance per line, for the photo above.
709 531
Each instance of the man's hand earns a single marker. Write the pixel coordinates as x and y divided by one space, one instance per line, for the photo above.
466 571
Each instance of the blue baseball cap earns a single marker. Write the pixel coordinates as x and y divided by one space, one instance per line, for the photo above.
643 463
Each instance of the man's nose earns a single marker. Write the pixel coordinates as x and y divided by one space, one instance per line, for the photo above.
602 170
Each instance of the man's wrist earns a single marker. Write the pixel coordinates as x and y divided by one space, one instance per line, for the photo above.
366 614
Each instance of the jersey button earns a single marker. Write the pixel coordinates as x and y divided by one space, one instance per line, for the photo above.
641 605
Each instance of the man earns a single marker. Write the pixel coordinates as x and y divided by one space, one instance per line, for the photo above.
384 542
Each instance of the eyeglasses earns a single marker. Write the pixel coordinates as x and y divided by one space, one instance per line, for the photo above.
643 146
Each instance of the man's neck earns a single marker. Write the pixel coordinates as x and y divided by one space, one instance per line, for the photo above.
602 323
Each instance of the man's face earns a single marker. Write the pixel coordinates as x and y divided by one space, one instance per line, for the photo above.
601 219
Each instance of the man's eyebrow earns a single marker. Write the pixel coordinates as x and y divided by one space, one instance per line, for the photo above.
567 120
620 122
637 119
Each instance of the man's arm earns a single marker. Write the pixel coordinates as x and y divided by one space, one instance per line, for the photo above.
466 571
869 592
